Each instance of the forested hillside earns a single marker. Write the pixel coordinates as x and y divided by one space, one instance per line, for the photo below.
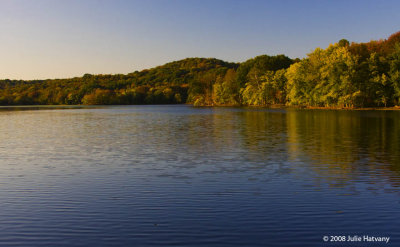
343 75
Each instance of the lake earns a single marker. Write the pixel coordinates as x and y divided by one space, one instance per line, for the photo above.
176 175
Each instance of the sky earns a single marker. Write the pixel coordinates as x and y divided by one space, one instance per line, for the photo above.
41 39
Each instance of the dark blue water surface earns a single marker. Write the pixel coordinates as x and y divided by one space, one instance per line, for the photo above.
184 176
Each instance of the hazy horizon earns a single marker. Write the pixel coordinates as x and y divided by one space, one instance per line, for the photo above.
62 39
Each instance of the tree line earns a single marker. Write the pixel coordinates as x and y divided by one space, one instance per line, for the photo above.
342 75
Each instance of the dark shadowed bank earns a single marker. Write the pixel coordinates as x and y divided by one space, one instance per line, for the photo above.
344 75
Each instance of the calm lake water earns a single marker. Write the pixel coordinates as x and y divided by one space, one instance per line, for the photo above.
184 176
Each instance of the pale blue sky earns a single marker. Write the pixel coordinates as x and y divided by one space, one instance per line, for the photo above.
65 38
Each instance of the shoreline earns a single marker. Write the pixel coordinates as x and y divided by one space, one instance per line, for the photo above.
275 106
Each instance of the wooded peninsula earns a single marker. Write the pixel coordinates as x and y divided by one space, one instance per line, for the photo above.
345 74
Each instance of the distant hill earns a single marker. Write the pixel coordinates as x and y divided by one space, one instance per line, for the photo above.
166 84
